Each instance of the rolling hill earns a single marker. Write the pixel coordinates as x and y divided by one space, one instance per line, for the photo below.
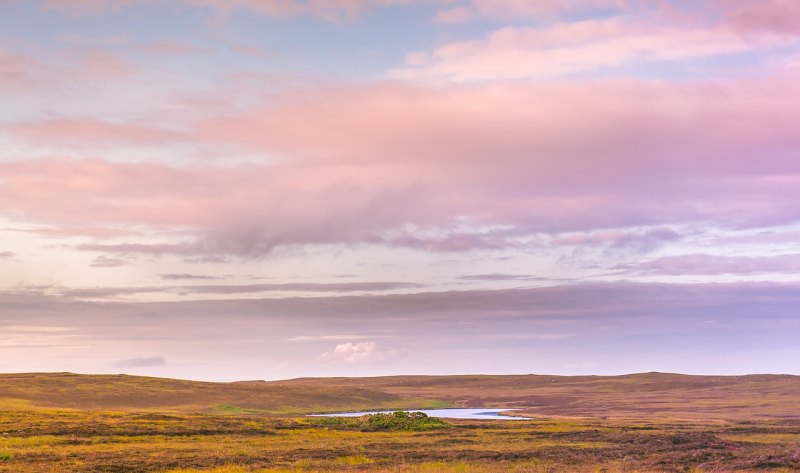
638 395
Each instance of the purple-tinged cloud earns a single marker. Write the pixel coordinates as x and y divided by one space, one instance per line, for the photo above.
622 327
631 169
500 277
642 240
187 277
209 289
705 264
766 16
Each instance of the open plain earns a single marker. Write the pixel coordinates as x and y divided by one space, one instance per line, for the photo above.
78 423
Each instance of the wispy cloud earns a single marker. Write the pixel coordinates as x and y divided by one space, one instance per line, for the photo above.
45 337
327 338
578 47
189 277
336 10
631 163
107 262
228 289
500 277
528 330
706 264
141 362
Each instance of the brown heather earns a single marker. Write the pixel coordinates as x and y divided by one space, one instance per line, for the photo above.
649 422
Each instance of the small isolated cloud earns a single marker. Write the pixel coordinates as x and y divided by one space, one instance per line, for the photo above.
110 292
141 362
93 40
500 277
328 338
253 51
363 352
106 262
6 255
186 277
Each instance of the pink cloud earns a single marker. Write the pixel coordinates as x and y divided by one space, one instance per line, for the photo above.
254 51
516 9
566 48
173 48
454 15
37 76
280 8
103 261
433 168
17 71
97 233
102 65
106 40
91 132
771 16
329 10
84 6
96 293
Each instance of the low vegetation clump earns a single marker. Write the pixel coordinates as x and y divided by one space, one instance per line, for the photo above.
401 420
391 422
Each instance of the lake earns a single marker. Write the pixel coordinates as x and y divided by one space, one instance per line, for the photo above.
482 414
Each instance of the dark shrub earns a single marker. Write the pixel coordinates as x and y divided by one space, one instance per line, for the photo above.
401 420
395 421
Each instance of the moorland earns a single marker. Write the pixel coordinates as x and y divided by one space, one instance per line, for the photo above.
62 422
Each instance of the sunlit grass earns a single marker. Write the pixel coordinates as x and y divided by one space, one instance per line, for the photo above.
83 442
237 434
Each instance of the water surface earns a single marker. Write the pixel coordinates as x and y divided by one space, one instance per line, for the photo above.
483 414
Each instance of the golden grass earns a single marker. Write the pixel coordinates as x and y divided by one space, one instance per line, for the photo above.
669 423
72 441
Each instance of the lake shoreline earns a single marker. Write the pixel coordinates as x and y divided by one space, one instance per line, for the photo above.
446 413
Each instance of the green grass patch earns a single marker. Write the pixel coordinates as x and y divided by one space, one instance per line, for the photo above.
236 410
353 460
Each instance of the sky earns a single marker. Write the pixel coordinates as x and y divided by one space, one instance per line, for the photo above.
269 189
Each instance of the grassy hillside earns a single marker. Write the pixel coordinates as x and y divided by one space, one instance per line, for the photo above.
636 395
86 424
122 392
640 395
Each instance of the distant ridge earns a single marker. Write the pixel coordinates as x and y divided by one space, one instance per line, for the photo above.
634 395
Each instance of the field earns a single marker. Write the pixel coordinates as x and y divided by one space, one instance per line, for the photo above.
73 423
